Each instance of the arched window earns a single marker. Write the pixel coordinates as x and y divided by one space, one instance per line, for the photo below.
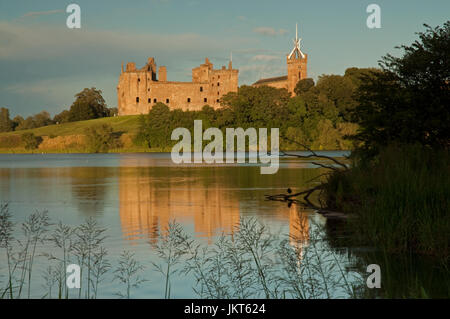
137 99
201 89
167 100
205 100
189 100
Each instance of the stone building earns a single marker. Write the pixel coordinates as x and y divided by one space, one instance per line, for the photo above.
139 89
297 62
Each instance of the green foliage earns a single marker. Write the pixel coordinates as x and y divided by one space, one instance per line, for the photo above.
89 104
314 118
101 138
304 86
6 124
400 202
408 101
62 117
31 141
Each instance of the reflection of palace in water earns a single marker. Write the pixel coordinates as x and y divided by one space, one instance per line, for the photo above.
150 199
148 203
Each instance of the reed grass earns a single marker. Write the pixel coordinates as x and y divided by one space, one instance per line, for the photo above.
251 262
399 203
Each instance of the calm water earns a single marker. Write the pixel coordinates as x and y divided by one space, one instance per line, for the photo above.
135 196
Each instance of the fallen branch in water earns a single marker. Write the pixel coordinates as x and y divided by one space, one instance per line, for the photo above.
313 155
293 198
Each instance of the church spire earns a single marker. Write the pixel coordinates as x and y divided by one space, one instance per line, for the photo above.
296 51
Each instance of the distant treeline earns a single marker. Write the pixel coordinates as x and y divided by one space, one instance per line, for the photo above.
317 117
89 104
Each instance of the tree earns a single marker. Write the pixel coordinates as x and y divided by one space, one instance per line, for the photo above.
408 102
101 138
155 128
31 141
6 125
89 104
258 106
303 86
17 121
62 117
27 124
42 119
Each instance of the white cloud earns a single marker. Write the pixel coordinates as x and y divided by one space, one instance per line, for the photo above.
264 57
40 13
268 31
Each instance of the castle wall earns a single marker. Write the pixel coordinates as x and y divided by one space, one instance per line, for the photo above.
139 90
275 84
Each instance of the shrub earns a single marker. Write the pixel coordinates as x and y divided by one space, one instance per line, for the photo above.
31 141
101 138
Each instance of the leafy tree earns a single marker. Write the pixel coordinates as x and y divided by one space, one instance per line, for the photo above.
62 117
155 127
31 141
304 86
113 111
42 119
17 121
408 102
27 124
89 104
6 125
101 138
258 106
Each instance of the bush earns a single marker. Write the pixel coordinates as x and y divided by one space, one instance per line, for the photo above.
101 138
31 141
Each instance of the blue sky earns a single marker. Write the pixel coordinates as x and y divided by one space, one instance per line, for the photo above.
43 64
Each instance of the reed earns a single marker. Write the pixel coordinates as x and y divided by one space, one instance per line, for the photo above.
399 202
128 273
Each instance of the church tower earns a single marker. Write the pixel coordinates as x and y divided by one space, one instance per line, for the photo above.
296 64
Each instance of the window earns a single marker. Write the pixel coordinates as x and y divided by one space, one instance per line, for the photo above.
212 84
205 100
137 99
149 100
167 100
189 100
148 89
218 93
154 100
217 100
139 80
201 89
218 84
218 77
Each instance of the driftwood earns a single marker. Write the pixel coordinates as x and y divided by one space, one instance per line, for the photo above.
291 198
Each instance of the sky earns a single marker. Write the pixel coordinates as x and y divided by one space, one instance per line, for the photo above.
43 63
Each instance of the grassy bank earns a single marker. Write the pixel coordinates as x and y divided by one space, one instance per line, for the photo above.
400 202
70 137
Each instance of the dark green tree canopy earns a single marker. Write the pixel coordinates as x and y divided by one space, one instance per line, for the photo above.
408 102
6 124
303 86
89 104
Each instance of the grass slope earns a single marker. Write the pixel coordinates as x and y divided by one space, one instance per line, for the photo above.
122 124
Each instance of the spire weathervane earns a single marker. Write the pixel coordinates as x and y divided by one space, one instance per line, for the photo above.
296 51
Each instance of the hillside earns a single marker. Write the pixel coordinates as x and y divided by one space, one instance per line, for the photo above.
69 137
122 124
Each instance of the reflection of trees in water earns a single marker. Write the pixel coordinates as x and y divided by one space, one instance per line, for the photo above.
89 187
402 275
